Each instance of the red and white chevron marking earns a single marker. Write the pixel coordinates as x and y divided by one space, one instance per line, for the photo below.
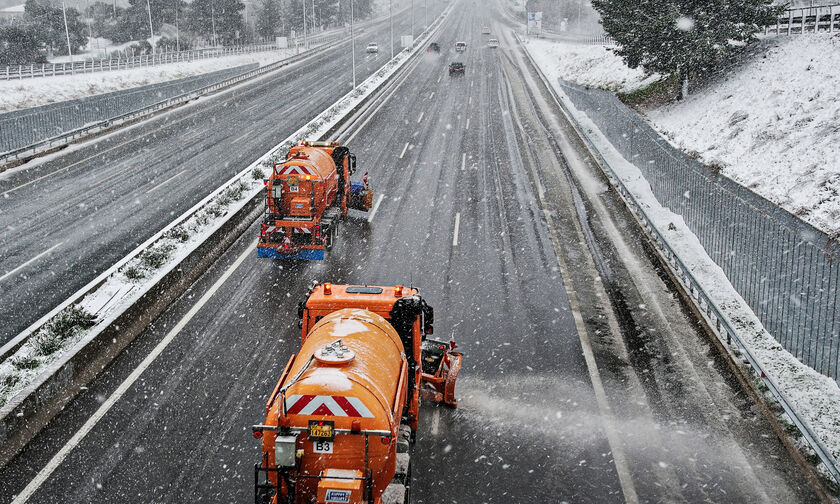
273 229
296 170
303 230
339 406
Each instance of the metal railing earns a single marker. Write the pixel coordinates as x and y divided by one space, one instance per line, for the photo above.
787 270
104 122
678 180
29 126
121 61
823 18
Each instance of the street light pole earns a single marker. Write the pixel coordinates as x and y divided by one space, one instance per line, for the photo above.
67 32
213 21
304 24
151 31
353 44
391 14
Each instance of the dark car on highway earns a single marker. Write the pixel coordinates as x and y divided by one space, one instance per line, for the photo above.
456 68
434 46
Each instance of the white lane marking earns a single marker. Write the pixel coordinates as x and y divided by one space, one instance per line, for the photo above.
375 207
432 95
457 226
439 76
166 181
470 100
403 151
109 177
471 83
468 123
252 107
27 263
240 137
436 422
77 438
421 116
463 161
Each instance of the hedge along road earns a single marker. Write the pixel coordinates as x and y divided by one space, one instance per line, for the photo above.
69 217
541 417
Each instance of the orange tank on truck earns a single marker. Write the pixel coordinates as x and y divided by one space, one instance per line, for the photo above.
306 197
340 424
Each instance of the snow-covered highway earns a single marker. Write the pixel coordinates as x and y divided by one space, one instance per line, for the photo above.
584 379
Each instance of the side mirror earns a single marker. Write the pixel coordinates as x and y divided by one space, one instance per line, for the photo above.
352 164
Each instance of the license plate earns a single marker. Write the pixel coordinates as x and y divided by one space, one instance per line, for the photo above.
293 188
321 430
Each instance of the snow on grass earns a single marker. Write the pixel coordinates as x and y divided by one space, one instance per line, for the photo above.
587 65
816 398
27 93
145 266
772 125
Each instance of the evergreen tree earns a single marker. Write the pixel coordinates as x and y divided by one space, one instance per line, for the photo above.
20 45
268 20
683 36
224 15
49 25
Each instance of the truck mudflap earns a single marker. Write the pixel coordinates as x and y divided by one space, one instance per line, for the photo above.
361 196
303 254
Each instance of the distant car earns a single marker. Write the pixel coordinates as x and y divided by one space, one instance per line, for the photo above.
493 42
434 46
485 30
456 68
373 47
460 46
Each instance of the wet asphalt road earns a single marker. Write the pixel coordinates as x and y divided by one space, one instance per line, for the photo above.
65 220
528 427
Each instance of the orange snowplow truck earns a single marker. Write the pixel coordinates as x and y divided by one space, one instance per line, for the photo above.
341 422
306 196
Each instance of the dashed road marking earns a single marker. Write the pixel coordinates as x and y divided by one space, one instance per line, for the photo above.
403 151
470 100
457 227
463 161
432 95
421 116
166 181
468 123
436 422
27 263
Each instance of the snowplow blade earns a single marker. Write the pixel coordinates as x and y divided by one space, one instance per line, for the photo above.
441 367
361 197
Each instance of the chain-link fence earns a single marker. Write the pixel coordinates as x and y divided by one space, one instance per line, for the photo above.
786 269
22 128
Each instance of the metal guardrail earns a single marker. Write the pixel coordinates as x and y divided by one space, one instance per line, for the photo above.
799 20
21 128
104 123
127 62
704 303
